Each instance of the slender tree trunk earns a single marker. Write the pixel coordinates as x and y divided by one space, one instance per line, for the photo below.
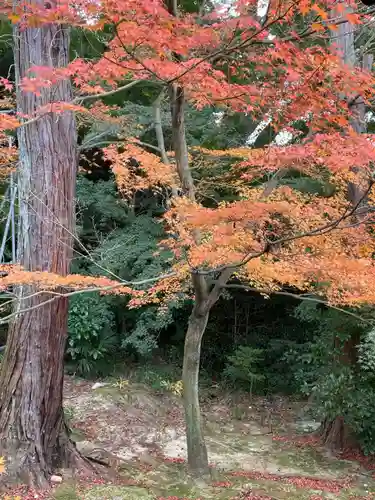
160 138
33 436
196 446
204 300
158 127
177 102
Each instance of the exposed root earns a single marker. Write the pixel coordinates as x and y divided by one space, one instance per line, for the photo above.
25 464
76 462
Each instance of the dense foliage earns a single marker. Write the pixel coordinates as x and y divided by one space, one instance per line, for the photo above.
289 347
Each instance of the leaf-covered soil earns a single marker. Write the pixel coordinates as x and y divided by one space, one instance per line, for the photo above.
258 450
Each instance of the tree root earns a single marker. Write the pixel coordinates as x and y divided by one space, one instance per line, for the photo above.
26 465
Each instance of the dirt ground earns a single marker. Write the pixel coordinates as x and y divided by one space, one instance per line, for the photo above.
258 450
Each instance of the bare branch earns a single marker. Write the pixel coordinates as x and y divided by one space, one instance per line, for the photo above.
128 86
87 253
146 145
298 297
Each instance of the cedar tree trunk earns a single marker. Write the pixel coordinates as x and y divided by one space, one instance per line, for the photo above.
336 435
33 436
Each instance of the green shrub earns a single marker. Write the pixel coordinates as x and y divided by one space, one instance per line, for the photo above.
349 395
309 363
243 367
339 389
157 377
90 333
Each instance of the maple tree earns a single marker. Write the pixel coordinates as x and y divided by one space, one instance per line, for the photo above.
271 235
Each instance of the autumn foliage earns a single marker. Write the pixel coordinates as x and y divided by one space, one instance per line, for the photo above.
136 169
227 58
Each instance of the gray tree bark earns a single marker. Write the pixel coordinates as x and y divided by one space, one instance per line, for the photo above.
158 128
196 446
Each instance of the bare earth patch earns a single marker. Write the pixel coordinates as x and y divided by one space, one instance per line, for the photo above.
141 435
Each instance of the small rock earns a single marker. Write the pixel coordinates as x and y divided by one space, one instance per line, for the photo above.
307 425
85 447
97 385
56 479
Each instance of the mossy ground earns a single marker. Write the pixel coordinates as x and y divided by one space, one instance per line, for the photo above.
146 431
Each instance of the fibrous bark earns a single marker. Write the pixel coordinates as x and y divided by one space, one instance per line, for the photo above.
33 436
336 435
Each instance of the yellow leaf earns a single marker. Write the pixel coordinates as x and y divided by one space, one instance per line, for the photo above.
2 465
14 18
317 27
322 13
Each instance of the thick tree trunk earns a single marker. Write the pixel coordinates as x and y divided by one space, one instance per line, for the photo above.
336 435
33 437
196 447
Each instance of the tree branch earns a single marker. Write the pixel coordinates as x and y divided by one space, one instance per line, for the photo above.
159 128
146 145
57 295
287 239
106 94
297 297
215 292
79 100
